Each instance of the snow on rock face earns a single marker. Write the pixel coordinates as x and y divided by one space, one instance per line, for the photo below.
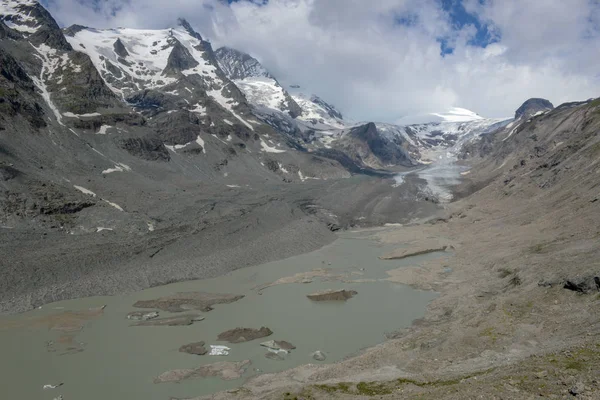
264 92
119 167
269 149
17 15
227 104
130 60
85 191
318 113
259 86
239 66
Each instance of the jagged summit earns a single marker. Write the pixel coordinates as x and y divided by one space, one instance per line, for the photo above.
260 87
240 65
318 113
188 28
33 21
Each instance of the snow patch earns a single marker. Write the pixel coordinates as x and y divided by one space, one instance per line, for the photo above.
228 104
48 68
113 204
84 190
103 130
269 149
119 167
281 167
201 143
71 115
199 110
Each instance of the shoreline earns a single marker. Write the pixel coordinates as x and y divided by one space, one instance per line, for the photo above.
498 326
63 266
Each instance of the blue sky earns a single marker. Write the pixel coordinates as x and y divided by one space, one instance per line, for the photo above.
460 18
385 59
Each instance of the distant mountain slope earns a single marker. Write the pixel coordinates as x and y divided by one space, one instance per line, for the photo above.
259 86
319 114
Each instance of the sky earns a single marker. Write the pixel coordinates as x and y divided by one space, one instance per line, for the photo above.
384 60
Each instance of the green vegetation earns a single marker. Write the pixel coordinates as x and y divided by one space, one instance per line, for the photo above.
371 389
595 103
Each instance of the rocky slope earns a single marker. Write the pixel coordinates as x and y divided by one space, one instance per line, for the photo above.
517 316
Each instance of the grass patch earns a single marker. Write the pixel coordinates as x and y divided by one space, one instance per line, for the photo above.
373 388
341 387
595 103
594 150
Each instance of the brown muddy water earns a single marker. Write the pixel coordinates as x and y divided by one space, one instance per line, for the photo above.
97 354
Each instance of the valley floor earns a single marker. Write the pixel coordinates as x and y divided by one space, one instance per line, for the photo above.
518 314
199 233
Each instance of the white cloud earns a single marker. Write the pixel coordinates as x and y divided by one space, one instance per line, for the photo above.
354 54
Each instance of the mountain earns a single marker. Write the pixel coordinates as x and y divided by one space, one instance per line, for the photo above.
532 107
128 159
260 87
529 111
318 125
318 114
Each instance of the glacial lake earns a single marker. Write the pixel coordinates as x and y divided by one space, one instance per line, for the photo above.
110 359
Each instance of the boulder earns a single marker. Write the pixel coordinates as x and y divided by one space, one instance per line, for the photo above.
194 348
319 355
586 284
333 295
278 345
271 355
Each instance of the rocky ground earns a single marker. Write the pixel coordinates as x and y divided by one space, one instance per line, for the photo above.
206 232
517 316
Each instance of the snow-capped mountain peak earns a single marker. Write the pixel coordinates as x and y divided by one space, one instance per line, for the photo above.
260 87
238 65
457 114
16 15
319 113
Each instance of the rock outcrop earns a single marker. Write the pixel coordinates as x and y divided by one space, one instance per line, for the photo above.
226 371
188 301
240 335
333 295
197 348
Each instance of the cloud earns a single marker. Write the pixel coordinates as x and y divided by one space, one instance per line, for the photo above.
383 60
